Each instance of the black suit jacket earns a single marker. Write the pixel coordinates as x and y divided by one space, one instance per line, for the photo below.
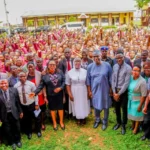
14 102
63 65
126 59
90 61
137 62
47 83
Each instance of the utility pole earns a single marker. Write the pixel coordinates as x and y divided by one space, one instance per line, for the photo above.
6 13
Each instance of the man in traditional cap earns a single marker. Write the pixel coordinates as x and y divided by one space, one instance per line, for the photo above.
99 84
104 57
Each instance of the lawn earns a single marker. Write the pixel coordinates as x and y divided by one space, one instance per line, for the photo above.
84 138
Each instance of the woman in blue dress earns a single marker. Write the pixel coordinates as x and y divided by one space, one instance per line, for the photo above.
137 92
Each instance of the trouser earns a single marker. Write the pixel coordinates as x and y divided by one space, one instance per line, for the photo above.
147 129
27 120
12 129
66 104
122 103
0 135
97 115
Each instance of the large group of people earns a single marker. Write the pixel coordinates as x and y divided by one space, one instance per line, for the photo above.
71 74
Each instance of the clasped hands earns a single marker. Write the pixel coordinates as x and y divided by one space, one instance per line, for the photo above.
116 97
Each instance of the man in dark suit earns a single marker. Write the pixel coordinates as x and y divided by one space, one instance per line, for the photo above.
10 112
142 60
127 60
66 65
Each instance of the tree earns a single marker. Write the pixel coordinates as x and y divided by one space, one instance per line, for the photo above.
72 19
141 3
61 21
40 23
52 23
30 23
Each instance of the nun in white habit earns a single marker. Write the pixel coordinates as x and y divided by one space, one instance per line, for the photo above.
77 91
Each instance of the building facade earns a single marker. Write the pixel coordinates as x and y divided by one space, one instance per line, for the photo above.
98 19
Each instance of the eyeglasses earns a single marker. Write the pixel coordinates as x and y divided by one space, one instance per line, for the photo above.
135 70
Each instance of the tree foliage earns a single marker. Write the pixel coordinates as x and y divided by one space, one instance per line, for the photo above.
52 23
141 3
72 19
40 23
30 23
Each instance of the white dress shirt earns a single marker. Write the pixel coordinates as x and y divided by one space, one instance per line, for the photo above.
29 88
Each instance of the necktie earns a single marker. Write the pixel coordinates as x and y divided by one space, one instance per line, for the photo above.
23 94
118 76
68 65
5 94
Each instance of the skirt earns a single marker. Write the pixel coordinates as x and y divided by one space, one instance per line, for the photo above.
133 114
55 102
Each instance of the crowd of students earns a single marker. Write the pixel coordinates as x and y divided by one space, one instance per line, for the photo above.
71 72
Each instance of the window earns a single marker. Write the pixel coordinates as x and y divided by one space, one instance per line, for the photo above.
104 20
51 22
94 20
74 25
64 26
117 19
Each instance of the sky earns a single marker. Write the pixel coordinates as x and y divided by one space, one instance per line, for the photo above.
17 8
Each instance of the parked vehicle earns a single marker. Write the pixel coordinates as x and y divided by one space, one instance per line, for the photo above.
19 30
2 30
42 28
73 25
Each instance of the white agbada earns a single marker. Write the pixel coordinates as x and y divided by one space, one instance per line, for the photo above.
80 107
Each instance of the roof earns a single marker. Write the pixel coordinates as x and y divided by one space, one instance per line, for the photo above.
87 7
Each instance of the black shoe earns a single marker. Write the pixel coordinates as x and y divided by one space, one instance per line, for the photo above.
117 126
55 128
39 134
14 147
104 127
131 128
19 144
29 136
63 128
143 138
96 124
123 130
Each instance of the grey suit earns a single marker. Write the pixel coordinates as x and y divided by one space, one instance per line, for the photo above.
10 120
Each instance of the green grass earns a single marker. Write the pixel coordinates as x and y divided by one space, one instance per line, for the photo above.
84 138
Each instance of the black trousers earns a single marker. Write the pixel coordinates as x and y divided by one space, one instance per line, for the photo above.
27 120
0 134
12 129
121 105
66 104
147 129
